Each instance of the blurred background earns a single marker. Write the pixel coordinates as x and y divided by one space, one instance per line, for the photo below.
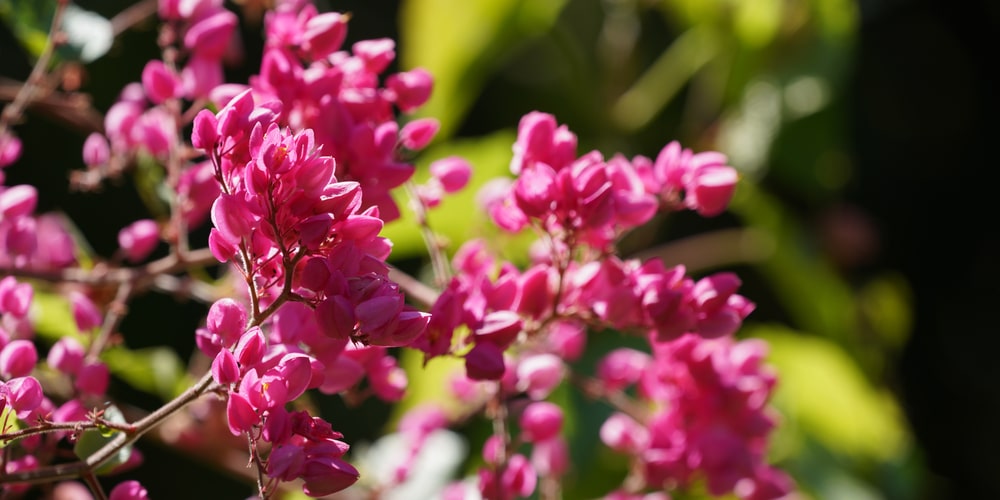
862 130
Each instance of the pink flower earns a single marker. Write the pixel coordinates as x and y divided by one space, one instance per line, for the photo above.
418 133
139 239
85 313
324 475
541 421
18 358
96 150
225 369
128 490
240 414
93 378
159 82
17 201
453 172
66 355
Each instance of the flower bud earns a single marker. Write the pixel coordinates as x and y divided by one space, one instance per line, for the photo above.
66 355
18 358
139 239
540 374
159 81
93 378
418 133
17 201
453 172
96 150
225 369
227 318
541 421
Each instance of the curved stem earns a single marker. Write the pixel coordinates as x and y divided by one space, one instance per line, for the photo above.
121 440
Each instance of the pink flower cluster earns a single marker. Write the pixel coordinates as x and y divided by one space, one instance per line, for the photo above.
707 414
316 269
591 200
706 395
340 96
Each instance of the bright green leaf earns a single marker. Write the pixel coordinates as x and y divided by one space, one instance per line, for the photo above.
822 392
157 370
462 42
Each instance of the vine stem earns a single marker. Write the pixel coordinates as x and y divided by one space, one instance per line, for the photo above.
87 466
30 87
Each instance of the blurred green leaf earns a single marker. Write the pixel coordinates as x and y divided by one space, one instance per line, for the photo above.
812 292
462 42
156 370
823 393
53 317
92 440
885 305
88 35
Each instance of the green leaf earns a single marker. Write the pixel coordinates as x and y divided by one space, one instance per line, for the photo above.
53 317
822 393
88 35
156 370
462 42
92 440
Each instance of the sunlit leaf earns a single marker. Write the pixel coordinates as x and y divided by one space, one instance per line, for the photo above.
462 42
824 394
156 370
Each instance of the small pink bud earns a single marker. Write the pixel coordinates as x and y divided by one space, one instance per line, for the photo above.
96 150
376 54
325 475
538 375
25 394
128 490
18 358
22 237
623 434
17 201
485 362
66 355
622 367
550 457
250 349
225 370
10 149
159 81
388 381
411 89
240 414
204 134
209 37
85 313
541 421
222 249
324 34
500 328
139 239
710 190
418 133
453 172
15 298
93 378
227 318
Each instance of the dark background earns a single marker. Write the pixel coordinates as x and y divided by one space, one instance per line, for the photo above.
923 125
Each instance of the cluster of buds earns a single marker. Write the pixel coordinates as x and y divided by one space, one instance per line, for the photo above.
295 169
